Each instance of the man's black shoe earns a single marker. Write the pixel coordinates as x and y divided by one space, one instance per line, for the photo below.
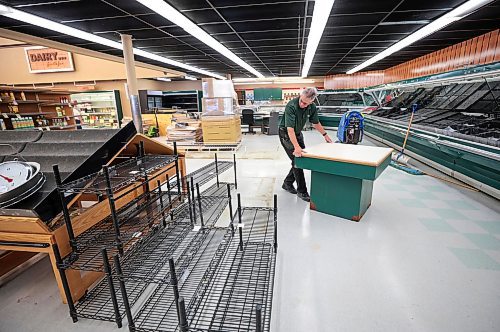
304 197
289 188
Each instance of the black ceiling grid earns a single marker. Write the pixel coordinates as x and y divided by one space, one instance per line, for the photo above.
271 36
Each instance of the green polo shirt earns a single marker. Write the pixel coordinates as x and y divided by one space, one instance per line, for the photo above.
296 117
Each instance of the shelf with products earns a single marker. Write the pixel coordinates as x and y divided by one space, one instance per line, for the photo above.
55 104
25 114
34 109
62 117
289 95
95 113
15 101
59 127
99 109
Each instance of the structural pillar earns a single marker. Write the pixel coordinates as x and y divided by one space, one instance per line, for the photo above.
133 93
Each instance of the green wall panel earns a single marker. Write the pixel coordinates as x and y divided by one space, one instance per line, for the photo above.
268 94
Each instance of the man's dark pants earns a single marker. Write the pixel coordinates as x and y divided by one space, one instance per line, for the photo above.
295 174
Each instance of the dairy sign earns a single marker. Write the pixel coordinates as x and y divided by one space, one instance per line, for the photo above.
48 60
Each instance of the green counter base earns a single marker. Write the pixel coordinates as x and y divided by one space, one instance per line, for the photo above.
340 196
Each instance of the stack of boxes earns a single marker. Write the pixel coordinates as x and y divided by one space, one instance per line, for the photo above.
183 129
220 122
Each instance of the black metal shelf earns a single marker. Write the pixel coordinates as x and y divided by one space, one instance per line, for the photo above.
120 175
159 312
259 224
155 228
208 172
147 261
94 236
146 220
137 218
233 289
97 303
224 286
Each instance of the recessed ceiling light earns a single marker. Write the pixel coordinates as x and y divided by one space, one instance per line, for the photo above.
174 16
454 15
164 79
64 29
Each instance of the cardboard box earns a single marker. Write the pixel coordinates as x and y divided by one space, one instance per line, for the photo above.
217 106
221 129
213 88
207 85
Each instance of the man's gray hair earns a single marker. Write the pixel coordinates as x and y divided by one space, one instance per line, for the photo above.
309 93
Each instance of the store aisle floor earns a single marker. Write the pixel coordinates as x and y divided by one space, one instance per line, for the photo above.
425 257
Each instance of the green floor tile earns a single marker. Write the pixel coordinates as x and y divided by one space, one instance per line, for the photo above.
414 203
484 241
449 214
408 181
490 226
436 188
461 205
424 195
395 187
475 259
436 225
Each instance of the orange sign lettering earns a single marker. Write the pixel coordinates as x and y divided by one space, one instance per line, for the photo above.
48 60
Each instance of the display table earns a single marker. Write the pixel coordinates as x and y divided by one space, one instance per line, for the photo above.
342 176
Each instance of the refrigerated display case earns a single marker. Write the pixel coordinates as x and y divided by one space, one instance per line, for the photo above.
99 109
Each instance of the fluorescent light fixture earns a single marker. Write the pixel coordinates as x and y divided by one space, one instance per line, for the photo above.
191 78
321 13
404 22
164 79
61 28
274 80
252 83
454 15
174 16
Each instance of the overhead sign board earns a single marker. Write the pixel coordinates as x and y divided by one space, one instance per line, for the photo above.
48 60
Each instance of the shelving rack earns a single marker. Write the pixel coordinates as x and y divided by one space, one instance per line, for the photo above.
157 221
185 273
186 100
225 279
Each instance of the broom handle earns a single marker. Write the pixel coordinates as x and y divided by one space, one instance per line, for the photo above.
407 131
452 182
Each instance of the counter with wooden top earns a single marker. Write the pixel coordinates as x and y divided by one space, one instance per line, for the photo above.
342 176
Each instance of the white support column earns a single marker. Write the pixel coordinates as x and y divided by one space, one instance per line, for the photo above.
128 56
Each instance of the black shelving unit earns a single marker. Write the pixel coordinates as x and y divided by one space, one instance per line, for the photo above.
145 263
144 233
217 280
187 100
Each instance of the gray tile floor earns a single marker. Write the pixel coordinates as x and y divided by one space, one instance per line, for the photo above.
425 257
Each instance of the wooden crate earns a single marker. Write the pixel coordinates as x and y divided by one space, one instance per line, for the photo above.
221 129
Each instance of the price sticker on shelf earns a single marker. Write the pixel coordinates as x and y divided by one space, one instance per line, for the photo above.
18 115
6 116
